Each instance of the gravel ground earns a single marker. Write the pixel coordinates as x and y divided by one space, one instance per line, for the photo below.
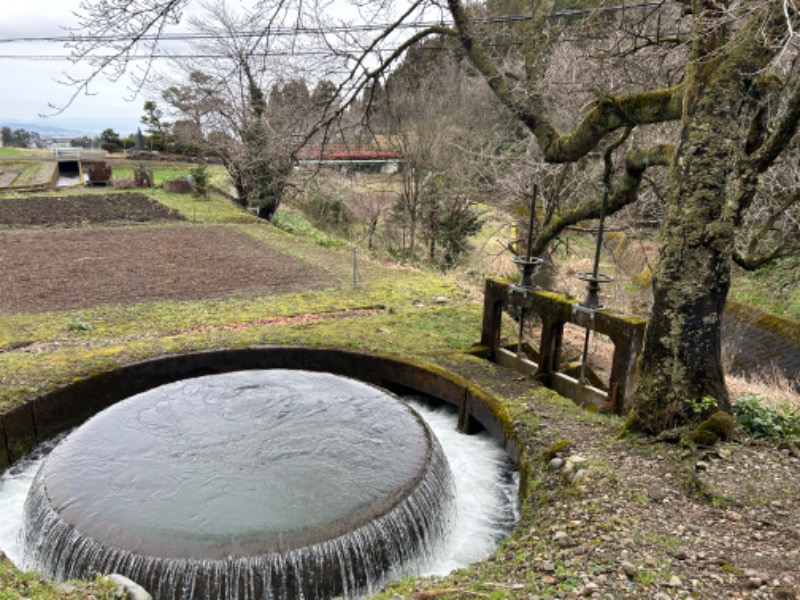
629 518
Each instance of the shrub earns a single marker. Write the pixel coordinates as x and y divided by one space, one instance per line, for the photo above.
199 177
329 211
293 223
755 418
110 147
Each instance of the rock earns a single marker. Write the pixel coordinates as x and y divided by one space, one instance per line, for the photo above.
563 539
441 300
791 447
754 582
549 566
784 593
701 466
559 448
674 582
128 589
661 596
721 424
555 465
704 438
629 569
65 587
572 462
591 589
733 515
750 573
656 493
580 475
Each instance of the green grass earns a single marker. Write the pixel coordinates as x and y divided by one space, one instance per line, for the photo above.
294 223
15 585
78 343
214 209
75 343
160 174
26 152
775 288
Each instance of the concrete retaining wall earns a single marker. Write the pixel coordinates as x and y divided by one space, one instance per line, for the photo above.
757 342
27 425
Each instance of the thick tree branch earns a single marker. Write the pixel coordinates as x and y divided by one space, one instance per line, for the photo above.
753 263
751 260
624 191
609 113
783 129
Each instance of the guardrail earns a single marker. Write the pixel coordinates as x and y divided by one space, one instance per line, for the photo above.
65 154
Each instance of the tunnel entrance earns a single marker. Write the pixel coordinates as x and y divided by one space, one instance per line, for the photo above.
70 169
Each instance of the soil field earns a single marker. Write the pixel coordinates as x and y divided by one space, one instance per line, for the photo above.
80 268
88 209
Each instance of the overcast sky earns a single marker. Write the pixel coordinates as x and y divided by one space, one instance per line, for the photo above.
28 85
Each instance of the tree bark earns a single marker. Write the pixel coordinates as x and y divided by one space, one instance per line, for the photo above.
681 363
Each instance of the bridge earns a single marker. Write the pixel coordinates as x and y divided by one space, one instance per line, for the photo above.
388 161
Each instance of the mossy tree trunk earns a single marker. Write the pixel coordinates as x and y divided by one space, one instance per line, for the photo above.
711 183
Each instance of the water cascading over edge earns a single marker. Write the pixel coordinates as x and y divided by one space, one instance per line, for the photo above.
391 534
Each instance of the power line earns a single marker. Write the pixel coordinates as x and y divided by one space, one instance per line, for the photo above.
332 29
69 57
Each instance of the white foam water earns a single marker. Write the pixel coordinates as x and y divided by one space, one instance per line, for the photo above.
486 500
486 506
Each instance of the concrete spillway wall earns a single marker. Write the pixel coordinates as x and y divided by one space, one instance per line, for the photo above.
25 426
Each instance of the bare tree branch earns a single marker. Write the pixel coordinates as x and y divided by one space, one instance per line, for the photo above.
624 192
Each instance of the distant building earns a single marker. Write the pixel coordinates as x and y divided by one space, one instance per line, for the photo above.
354 158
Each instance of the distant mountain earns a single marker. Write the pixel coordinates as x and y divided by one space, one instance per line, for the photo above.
73 127
42 129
